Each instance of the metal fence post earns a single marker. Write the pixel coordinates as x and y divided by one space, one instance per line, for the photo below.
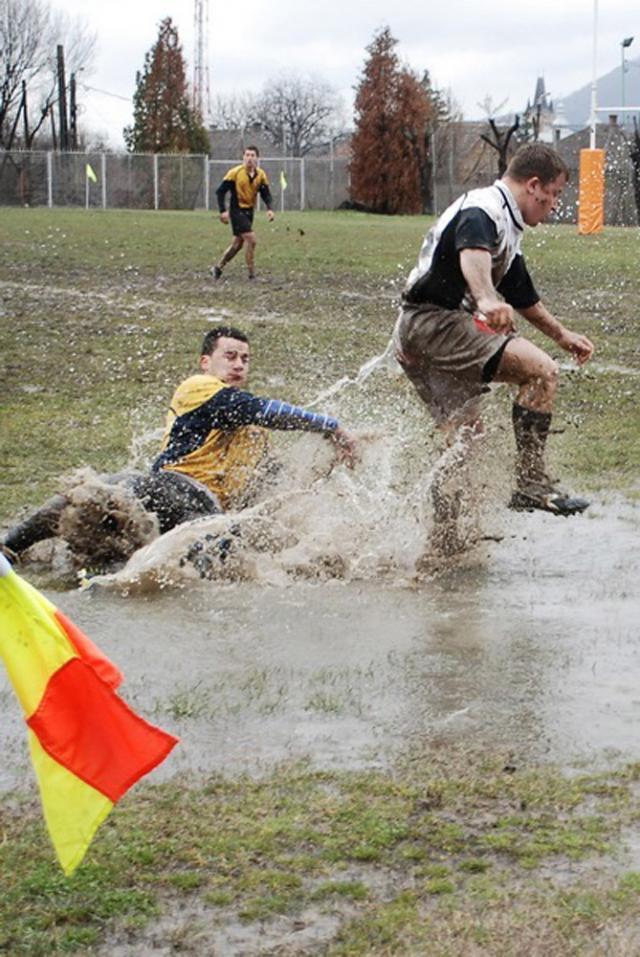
103 177
205 160
302 184
155 181
49 180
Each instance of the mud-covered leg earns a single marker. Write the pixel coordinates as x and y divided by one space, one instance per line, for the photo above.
40 525
452 487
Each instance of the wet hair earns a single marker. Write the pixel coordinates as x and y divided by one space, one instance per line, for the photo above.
537 159
209 343
254 148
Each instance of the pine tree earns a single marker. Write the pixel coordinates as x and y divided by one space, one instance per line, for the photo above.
163 119
395 112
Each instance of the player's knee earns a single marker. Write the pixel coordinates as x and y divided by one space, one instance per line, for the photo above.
546 376
552 373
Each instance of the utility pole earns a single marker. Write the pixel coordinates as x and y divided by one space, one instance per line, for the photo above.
73 114
25 115
62 102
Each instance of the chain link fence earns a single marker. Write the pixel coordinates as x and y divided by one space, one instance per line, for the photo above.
163 181
160 181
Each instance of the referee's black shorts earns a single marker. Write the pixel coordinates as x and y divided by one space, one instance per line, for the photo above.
241 220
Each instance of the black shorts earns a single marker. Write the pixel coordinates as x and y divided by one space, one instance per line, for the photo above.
175 498
241 220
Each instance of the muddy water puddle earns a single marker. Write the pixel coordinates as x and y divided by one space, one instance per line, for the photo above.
530 645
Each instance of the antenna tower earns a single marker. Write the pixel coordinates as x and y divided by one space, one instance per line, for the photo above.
201 92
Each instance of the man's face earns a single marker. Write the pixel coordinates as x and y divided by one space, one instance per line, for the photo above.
229 361
250 159
540 201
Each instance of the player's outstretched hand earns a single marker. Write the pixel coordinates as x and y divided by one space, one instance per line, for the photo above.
579 346
346 446
270 215
224 217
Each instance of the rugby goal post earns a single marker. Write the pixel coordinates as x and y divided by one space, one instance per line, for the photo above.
591 179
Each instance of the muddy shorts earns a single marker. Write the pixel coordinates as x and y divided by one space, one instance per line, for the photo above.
241 220
449 356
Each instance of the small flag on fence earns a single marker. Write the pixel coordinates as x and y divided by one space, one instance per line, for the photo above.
87 746
283 180
90 173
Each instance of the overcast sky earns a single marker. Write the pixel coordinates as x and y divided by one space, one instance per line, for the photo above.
473 48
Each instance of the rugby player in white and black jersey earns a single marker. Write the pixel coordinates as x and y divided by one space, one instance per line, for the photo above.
456 331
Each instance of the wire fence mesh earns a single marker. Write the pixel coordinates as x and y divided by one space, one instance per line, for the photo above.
159 181
461 161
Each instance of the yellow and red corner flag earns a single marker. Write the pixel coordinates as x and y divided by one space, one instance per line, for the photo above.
87 746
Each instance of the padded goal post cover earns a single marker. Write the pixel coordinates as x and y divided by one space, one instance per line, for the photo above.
591 193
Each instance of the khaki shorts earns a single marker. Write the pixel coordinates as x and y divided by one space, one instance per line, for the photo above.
444 352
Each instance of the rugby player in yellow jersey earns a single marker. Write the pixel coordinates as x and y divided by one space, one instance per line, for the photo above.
215 434
243 183
214 440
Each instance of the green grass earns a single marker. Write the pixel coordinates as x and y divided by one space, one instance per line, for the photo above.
300 840
104 311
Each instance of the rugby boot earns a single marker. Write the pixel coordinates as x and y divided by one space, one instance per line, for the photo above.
547 500
9 554
535 490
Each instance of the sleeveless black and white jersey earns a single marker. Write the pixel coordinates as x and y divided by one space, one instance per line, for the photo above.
487 218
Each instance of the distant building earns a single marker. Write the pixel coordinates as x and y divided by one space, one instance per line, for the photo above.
539 114
560 125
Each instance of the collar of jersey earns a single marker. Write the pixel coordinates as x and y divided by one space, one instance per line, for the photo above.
510 203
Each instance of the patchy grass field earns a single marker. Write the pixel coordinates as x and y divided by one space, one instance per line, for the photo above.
454 852
103 312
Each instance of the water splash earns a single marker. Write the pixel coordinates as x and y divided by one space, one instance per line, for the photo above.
324 522
315 520
386 361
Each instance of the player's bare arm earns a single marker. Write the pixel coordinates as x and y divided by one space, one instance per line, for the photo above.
580 347
476 269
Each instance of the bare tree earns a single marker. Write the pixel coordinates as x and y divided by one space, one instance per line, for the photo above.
235 112
489 108
500 137
298 112
500 141
30 31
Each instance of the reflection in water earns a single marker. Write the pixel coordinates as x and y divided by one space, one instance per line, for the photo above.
529 648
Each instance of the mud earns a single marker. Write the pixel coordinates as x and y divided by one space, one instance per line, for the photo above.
528 645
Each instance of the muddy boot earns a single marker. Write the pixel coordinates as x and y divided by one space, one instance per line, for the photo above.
535 490
42 524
